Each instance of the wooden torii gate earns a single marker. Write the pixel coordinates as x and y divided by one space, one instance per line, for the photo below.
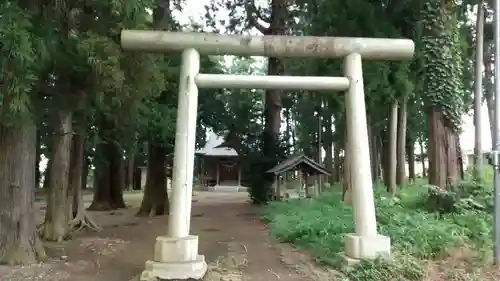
176 254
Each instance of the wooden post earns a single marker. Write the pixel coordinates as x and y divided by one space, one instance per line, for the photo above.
306 179
202 171
239 175
278 188
218 173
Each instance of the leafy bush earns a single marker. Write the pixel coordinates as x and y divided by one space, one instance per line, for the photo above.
467 195
259 181
417 233
262 157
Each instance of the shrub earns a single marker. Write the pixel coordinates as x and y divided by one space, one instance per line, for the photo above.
467 195
418 232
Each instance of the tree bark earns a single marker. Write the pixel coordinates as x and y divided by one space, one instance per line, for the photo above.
272 105
46 175
346 191
410 152
137 177
79 217
86 170
489 91
38 177
130 172
76 171
401 143
19 241
108 191
328 142
384 158
336 164
117 179
393 133
55 227
376 169
443 157
422 158
374 152
155 200
478 93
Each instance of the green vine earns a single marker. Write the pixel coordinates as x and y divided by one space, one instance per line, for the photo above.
442 59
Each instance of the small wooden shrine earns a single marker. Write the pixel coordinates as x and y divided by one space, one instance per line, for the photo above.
308 169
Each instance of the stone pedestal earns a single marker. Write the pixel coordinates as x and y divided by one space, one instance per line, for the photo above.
175 259
364 247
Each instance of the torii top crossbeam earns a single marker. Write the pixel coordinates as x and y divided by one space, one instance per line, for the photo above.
269 46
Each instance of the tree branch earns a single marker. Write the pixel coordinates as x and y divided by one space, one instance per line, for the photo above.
254 15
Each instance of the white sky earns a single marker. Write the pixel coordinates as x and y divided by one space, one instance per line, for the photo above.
195 10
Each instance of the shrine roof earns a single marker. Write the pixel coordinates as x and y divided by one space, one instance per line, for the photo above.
300 162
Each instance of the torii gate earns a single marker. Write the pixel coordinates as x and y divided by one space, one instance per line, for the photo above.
176 255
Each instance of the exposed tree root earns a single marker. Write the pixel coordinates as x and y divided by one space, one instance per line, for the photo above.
23 254
152 211
83 220
100 206
40 229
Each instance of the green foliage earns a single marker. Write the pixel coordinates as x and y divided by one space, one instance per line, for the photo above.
443 62
417 234
465 196
258 162
259 181
18 64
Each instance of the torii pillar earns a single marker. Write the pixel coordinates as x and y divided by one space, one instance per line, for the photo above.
176 255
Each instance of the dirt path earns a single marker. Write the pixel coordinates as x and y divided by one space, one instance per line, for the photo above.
236 246
250 253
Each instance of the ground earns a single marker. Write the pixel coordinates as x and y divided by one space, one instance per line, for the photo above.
234 242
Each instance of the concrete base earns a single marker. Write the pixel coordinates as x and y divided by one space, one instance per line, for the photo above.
227 188
175 259
347 261
361 247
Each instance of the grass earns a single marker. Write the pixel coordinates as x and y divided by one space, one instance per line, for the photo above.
420 236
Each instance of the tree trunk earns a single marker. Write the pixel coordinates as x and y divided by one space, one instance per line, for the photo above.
38 177
46 175
461 171
137 177
117 179
108 190
410 152
272 105
329 161
374 154
102 192
130 172
328 142
422 158
384 157
443 158
393 134
79 217
86 170
19 242
401 143
336 164
489 92
76 171
347 188
478 150
377 159
443 74
155 200
370 143
55 227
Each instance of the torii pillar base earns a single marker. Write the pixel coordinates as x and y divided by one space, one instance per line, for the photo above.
175 259
366 248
